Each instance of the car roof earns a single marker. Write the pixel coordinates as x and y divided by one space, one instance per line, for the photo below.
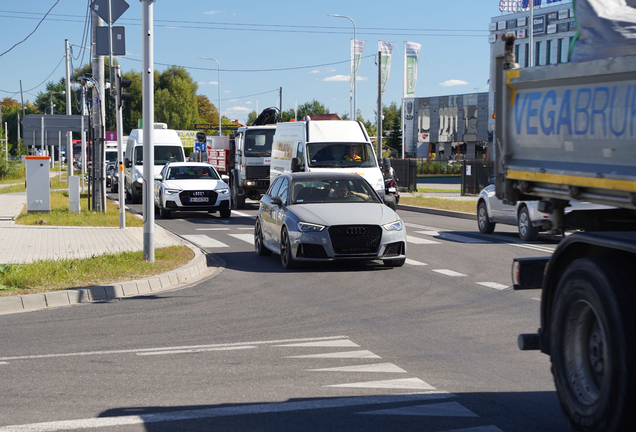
189 164
321 175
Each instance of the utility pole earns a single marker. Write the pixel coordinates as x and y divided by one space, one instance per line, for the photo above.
379 137
148 133
98 120
69 135
281 100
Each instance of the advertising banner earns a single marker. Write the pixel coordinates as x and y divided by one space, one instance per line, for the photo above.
411 55
357 48
386 50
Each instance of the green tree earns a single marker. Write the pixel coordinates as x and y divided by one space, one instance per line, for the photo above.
251 117
10 111
175 99
392 123
307 109
207 110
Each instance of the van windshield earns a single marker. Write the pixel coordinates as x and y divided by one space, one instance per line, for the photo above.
341 155
111 156
258 143
163 155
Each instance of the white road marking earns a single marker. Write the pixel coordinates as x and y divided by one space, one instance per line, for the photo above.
449 272
403 384
415 263
335 343
265 408
138 350
422 227
249 238
250 228
234 212
417 240
537 299
494 285
204 241
4 363
197 350
380 367
346 354
213 229
452 237
534 247
446 409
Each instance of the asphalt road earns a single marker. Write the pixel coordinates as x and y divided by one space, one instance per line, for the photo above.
427 347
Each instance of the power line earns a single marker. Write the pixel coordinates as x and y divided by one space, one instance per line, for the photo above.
34 30
25 91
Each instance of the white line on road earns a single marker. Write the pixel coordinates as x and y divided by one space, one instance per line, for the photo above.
264 408
237 213
248 228
417 240
380 367
494 285
248 238
133 351
204 241
415 263
403 384
446 409
452 237
197 350
213 229
449 272
346 354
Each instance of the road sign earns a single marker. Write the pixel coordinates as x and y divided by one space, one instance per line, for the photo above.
118 38
199 146
118 7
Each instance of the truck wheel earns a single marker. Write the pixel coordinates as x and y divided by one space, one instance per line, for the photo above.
483 221
527 232
593 345
259 247
286 257
238 202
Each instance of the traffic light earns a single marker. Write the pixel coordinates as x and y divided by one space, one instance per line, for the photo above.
120 85
201 137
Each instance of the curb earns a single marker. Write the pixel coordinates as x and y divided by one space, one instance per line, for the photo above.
438 212
189 273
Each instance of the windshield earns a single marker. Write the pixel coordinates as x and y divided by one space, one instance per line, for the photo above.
111 156
326 155
333 191
163 155
258 143
192 173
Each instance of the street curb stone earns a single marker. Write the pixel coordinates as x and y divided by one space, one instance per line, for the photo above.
30 302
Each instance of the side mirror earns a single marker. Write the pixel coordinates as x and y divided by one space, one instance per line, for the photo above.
225 178
277 201
127 163
295 165
158 177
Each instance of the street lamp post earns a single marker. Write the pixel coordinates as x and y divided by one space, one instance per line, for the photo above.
219 85
353 61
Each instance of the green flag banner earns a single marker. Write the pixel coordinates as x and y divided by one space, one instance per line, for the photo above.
385 49
357 48
411 54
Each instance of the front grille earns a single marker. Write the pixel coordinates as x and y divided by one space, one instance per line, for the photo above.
209 194
355 239
257 172
394 249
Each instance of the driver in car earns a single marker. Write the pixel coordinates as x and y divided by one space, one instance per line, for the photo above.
343 192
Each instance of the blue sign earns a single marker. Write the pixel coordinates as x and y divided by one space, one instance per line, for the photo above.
199 146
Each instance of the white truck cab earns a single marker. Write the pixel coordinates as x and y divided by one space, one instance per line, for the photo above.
325 145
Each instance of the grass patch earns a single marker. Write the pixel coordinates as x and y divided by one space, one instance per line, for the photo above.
46 276
61 216
440 203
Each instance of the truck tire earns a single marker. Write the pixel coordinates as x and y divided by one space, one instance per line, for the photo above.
527 232
593 344
483 221
238 202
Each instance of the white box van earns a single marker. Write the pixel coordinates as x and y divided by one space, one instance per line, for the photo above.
168 148
325 145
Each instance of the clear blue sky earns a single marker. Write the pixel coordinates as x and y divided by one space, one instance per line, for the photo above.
262 46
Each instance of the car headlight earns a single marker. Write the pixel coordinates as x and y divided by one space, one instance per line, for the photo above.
222 191
394 226
307 227
379 185
172 191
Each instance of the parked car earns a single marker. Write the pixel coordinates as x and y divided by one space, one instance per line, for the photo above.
191 186
326 216
525 214
113 175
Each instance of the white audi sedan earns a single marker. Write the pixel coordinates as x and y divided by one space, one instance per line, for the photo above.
191 186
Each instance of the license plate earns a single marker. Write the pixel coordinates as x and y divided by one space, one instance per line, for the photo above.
196 199
392 189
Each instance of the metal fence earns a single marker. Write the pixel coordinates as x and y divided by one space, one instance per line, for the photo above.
475 175
406 172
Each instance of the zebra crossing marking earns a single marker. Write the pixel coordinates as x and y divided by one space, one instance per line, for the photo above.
452 237
494 285
248 238
402 384
415 263
346 354
417 240
449 272
204 241
334 343
380 367
444 409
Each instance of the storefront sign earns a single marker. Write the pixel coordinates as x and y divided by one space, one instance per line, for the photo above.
552 28
521 34
563 27
539 25
511 23
521 21
564 14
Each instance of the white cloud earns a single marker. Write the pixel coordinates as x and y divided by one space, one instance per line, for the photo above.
452 83
364 79
211 12
248 103
227 91
337 78
238 109
315 71
213 83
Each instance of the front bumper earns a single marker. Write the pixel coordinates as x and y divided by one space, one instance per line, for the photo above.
197 201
